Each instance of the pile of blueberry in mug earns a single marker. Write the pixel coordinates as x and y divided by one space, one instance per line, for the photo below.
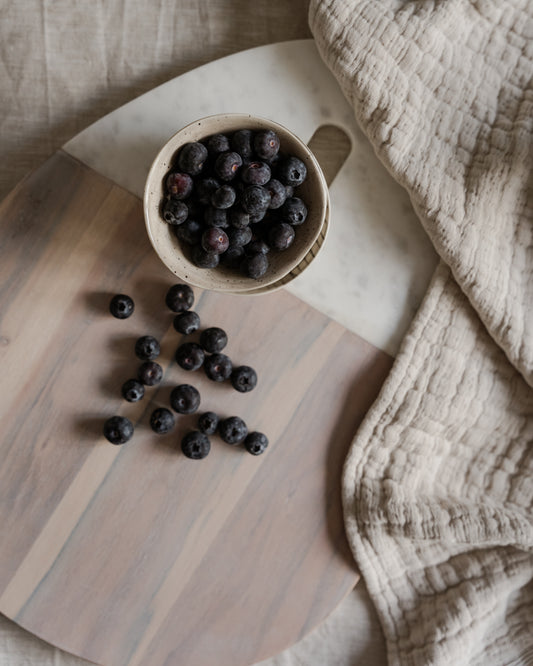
231 199
185 398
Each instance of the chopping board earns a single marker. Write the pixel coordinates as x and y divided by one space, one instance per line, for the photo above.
135 554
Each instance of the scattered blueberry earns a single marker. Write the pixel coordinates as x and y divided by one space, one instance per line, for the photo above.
121 306
118 430
186 322
195 445
185 399
147 348
255 443
208 423
132 390
192 157
213 339
162 420
243 378
150 373
217 367
232 430
190 356
179 297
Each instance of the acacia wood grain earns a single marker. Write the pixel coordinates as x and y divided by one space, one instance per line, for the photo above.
135 555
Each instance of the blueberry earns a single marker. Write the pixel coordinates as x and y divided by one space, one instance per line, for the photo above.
217 367
190 356
191 158
186 322
162 420
224 197
255 443
175 212
239 237
243 378
232 430
266 144
150 373
213 339
132 390
281 236
294 211
256 173
278 193
204 259
239 218
208 423
204 188
292 171
121 306
232 257
215 240
179 297
118 430
255 266
179 185
257 246
216 217
218 143
255 199
241 142
227 165
147 348
258 217
184 399
189 232
195 445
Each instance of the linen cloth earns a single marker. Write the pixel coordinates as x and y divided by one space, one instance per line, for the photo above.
63 65
438 484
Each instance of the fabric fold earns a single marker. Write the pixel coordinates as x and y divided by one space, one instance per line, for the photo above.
438 484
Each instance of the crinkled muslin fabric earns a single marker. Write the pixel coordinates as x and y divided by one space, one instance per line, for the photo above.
438 484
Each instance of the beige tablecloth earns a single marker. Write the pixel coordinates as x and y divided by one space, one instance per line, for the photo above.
66 63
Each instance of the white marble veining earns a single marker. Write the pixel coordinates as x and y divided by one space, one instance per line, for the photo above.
377 261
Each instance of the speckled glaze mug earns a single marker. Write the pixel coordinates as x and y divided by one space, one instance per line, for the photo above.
283 266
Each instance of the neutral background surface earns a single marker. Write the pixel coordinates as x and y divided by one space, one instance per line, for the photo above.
63 65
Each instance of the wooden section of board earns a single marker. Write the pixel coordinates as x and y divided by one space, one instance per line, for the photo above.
136 555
